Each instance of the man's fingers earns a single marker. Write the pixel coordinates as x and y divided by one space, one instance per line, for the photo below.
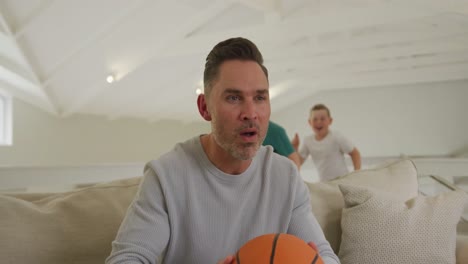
312 245
227 260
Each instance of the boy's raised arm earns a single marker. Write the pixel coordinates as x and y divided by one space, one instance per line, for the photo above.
356 158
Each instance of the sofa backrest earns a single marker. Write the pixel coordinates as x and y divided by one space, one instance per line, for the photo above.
72 227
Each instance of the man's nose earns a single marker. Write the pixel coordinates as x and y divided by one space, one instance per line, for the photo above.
249 111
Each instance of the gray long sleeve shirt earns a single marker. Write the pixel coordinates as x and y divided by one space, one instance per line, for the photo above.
198 214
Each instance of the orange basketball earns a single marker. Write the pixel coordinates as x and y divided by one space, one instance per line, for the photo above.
277 249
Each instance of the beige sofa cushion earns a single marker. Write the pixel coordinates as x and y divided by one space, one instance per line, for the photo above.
72 227
381 228
399 178
462 249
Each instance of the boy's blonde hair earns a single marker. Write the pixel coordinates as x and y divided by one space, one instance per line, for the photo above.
319 107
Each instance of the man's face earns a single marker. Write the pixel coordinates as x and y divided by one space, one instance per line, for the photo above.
320 121
239 106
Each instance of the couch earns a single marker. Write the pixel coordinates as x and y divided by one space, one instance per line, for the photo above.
78 226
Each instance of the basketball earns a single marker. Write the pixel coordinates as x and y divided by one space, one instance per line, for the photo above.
277 249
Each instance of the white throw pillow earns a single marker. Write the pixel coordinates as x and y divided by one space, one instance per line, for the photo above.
399 178
379 228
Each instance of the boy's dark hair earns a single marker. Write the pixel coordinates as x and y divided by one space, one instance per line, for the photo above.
230 49
320 107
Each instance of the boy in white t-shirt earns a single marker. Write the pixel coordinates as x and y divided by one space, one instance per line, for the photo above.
326 147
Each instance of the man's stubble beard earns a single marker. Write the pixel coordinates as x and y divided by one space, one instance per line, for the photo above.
228 143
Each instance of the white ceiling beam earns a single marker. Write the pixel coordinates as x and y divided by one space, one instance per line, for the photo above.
22 87
398 42
457 6
166 105
11 64
169 38
25 96
85 97
36 12
18 80
349 57
378 45
434 73
272 9
404 64
267 6
437 73
338 21
90 39
457 61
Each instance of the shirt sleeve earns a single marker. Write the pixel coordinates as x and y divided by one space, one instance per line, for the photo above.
283 145
144 232
304 225
346 146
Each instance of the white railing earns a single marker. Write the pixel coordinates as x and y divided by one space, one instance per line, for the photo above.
50 178
59 178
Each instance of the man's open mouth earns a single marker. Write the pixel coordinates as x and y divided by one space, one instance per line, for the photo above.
249 133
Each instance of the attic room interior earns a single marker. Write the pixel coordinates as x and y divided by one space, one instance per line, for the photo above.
92 90
393 73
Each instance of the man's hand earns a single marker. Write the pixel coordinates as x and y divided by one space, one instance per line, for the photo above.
312 245
228 260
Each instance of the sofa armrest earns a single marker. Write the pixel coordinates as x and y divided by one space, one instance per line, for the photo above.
462 249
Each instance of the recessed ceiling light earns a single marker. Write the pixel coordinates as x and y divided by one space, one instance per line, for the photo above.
198 91
110 78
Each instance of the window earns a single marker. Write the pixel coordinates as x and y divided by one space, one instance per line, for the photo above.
5 119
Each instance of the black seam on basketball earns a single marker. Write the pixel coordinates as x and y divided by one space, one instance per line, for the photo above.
273 249
315 259
237 257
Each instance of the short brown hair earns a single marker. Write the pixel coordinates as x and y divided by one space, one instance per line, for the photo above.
319 107
230 49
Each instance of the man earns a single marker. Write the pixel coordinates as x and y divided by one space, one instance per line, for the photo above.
208 196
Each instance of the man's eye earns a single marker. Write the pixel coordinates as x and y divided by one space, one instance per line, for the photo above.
261 98
233 98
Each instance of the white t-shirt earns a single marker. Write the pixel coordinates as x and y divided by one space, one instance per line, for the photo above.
327 154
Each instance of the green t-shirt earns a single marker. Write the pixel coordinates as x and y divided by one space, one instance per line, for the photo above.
278 139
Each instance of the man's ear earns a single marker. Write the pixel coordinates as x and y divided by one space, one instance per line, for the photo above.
203 107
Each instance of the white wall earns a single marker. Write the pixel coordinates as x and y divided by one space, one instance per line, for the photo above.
40 139
428 119
422 120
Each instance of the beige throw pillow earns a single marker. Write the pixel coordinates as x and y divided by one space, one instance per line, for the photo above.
399 178
379 228
462 249
72 227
